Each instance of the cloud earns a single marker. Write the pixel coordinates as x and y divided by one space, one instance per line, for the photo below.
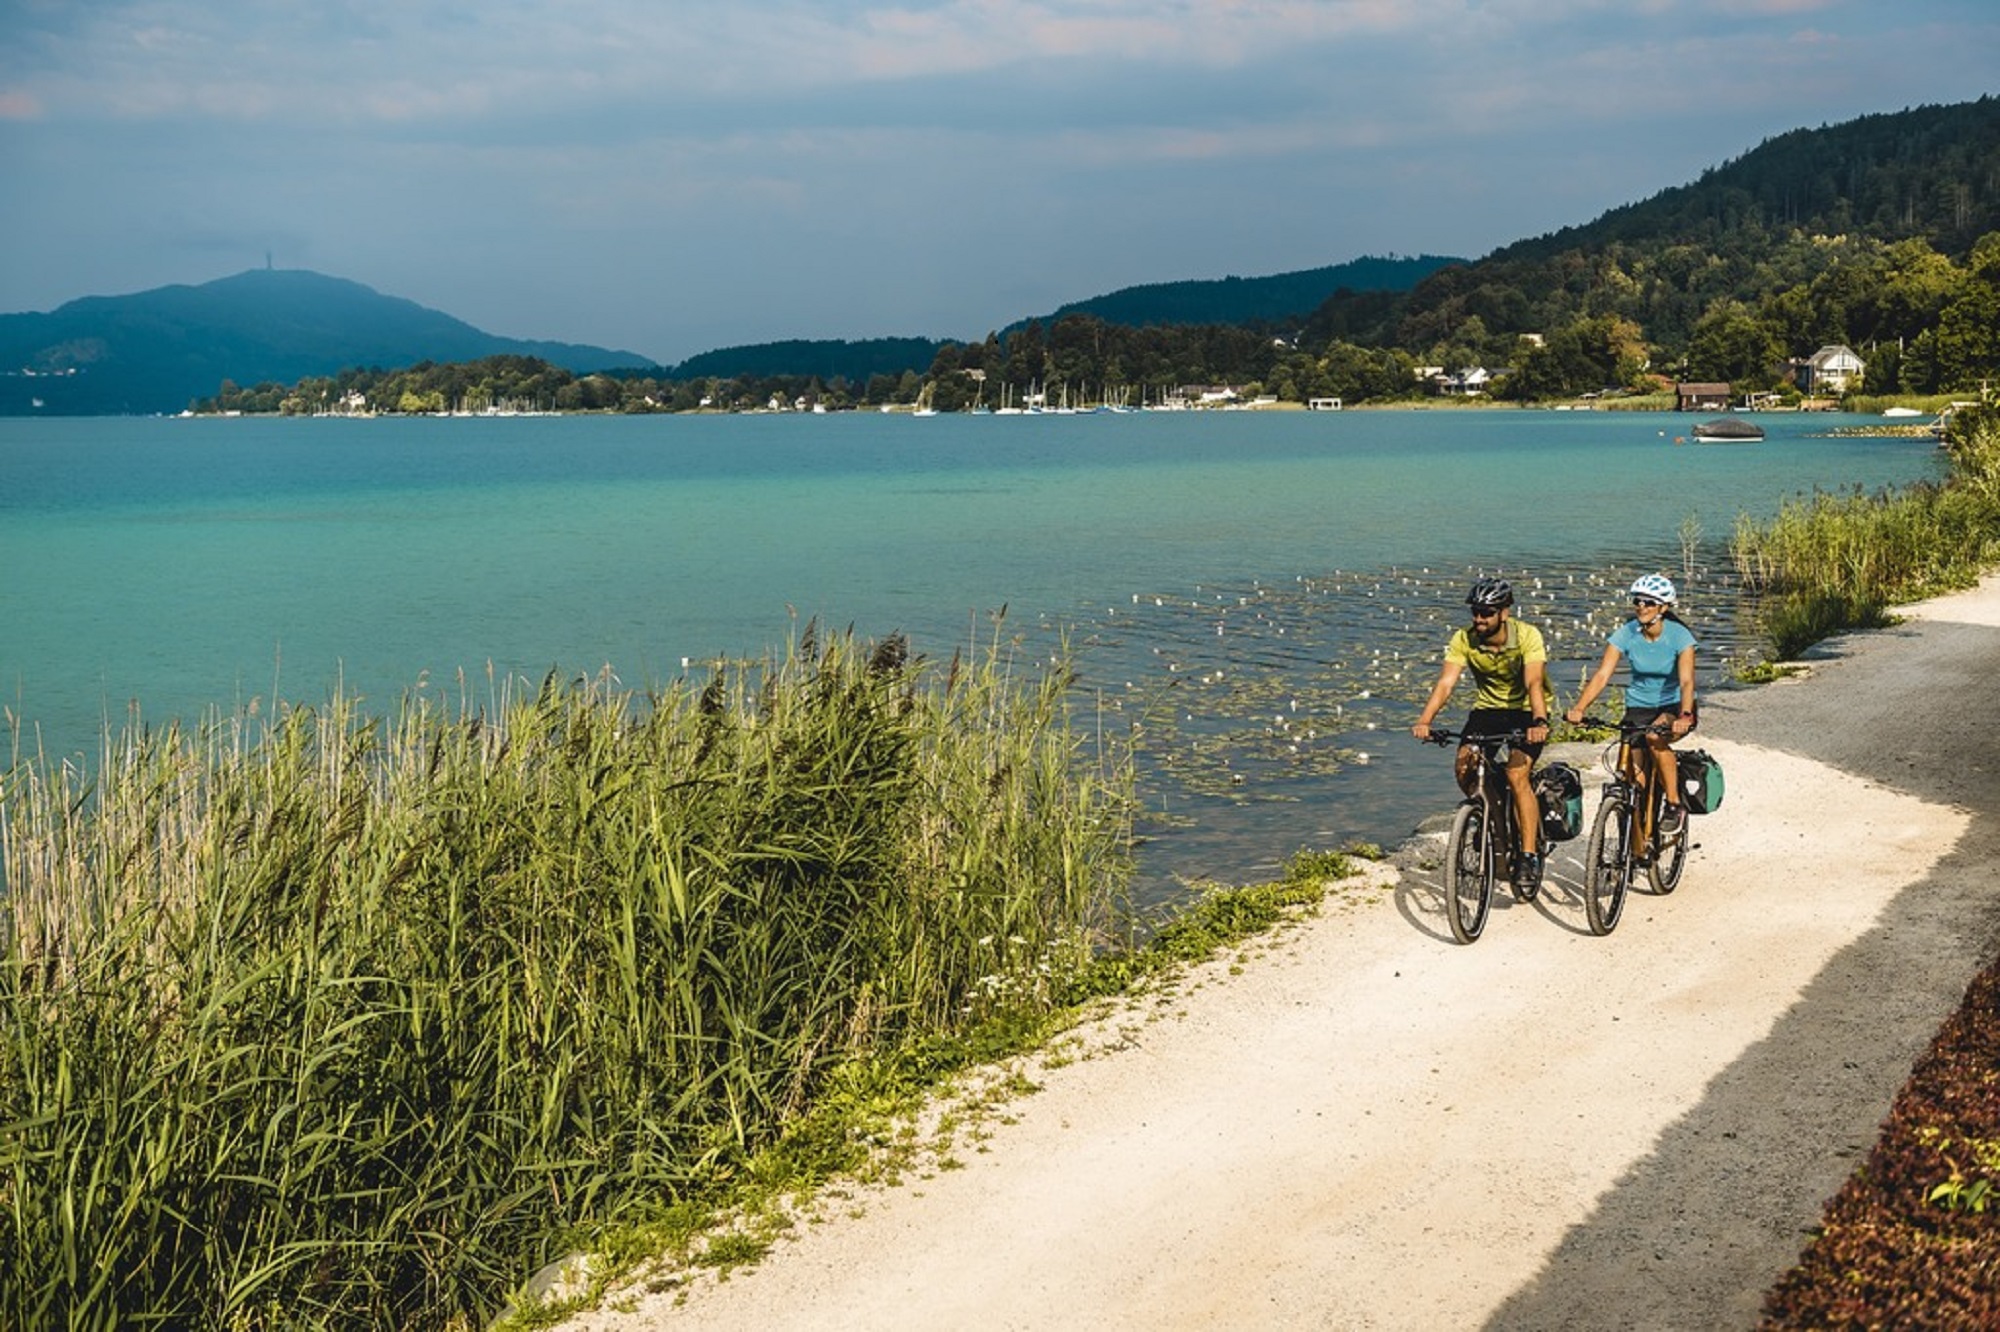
664 177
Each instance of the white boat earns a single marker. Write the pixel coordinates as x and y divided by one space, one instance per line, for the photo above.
1901 411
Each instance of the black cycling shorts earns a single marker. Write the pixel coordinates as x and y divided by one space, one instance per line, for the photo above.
1499 721
1637 718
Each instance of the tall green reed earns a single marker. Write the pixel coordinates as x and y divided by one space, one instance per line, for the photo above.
340 1020
1831 562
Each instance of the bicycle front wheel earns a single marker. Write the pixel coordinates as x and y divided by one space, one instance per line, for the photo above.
1468 873
1607 868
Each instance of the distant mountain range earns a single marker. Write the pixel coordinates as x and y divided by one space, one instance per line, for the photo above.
155 351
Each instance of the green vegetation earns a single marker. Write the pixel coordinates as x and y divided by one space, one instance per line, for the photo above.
343 1021
870 1125
1911 1238
1831 562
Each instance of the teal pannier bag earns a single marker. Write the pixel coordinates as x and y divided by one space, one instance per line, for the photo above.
1700 780
1559 792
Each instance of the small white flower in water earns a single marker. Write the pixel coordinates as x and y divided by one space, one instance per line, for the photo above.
1361 758
1369 693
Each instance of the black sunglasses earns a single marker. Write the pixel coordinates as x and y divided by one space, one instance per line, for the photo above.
1646 601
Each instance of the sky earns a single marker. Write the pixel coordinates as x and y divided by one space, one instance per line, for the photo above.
671 176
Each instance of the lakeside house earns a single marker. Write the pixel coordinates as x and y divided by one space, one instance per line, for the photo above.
1701 397
1467 383
1830 371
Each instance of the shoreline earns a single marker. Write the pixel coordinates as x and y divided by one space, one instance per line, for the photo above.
1642 1125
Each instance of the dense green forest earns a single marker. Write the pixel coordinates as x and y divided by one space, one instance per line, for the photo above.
1882 234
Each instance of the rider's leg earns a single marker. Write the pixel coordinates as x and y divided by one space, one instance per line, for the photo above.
1467 768
1667 769
1668 766
1527 813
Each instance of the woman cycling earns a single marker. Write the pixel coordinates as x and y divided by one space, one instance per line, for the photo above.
1660 650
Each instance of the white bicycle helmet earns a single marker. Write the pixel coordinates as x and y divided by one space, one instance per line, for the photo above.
1657 586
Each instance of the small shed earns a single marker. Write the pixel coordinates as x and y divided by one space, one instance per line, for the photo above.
1701 397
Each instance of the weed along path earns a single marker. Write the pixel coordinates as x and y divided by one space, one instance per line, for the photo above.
1357 1124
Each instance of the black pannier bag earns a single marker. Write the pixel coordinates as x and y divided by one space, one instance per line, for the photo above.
1700 777
1559 792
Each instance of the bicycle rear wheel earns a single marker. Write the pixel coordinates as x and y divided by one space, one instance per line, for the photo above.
1468 873
1607 868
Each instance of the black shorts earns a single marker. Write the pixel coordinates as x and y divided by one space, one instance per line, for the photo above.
1638 718
1499 721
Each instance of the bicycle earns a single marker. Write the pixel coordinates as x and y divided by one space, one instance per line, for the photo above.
1482 827
1625 836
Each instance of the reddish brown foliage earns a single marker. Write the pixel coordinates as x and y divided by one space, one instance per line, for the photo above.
1888 1257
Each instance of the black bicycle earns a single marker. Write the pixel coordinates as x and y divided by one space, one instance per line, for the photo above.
1484 842
1625 837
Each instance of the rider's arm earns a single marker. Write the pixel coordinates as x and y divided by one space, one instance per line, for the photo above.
1447 678
1535 675
1594 685
1684 666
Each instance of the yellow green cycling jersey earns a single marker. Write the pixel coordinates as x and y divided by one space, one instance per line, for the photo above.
1501 673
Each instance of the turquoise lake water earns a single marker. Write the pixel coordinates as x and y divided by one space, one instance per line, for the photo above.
1264 587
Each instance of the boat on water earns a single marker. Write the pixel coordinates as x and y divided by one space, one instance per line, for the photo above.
1728 430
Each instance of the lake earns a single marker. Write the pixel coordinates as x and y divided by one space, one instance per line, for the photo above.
1267 590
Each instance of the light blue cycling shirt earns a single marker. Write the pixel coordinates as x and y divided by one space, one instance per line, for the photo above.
1655 676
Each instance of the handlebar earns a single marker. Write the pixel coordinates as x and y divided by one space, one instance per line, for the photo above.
1618 725
1493 739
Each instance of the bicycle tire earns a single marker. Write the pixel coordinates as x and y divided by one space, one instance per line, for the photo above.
1468 873
1607 867
1669 856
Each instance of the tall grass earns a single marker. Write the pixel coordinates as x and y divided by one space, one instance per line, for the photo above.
340 1022
1833 562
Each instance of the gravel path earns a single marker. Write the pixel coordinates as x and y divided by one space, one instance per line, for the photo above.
1365 1126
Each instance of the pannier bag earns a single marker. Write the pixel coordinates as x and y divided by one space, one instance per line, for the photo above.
1700 780
1559 791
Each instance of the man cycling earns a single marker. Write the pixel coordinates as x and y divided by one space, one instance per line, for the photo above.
1509 664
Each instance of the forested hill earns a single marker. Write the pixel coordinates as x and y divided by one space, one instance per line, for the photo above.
1930 172
1781 215
825 358
1281 297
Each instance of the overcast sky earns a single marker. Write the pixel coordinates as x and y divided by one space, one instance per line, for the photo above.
670 177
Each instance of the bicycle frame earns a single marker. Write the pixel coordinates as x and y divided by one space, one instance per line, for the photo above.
1625 837
1484 842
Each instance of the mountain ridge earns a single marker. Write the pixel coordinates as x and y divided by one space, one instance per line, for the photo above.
157 350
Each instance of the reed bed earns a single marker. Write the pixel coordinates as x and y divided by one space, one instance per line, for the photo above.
1831 562
341 1019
